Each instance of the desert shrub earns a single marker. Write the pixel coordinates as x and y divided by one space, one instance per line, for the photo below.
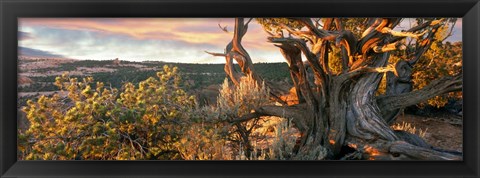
263 138
279 142
206 138
235 102
95 122
216 134
444 59
204 141
284 141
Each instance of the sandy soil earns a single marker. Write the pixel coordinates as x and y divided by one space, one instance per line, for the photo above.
31 64
445 131
95 69
46 93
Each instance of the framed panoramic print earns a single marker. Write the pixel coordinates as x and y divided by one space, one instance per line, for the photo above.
238 88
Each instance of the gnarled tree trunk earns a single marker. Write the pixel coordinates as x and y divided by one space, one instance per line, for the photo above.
341 110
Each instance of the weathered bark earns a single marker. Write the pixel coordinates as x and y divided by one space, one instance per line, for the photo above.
340 109
235 51
400 81
313 134
296 113
437 87
420 153
297 72
395 150
363 116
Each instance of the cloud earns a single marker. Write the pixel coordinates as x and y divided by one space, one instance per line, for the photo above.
191 30
35 53
24 36
97 45
167 39
187 30
173 40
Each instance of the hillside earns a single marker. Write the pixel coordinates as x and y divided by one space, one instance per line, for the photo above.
42 72
37 76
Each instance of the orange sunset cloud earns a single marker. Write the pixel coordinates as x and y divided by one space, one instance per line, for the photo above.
169 39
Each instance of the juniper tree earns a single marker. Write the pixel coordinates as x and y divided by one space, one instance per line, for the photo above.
338 104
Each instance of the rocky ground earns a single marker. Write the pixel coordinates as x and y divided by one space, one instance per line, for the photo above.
443 131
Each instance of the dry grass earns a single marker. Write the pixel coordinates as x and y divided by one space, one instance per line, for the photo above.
407 127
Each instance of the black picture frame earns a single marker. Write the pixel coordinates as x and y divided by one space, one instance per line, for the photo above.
10 10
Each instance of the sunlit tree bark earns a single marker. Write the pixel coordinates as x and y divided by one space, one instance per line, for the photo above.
340 109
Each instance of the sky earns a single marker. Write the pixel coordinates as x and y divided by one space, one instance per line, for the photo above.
146 39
